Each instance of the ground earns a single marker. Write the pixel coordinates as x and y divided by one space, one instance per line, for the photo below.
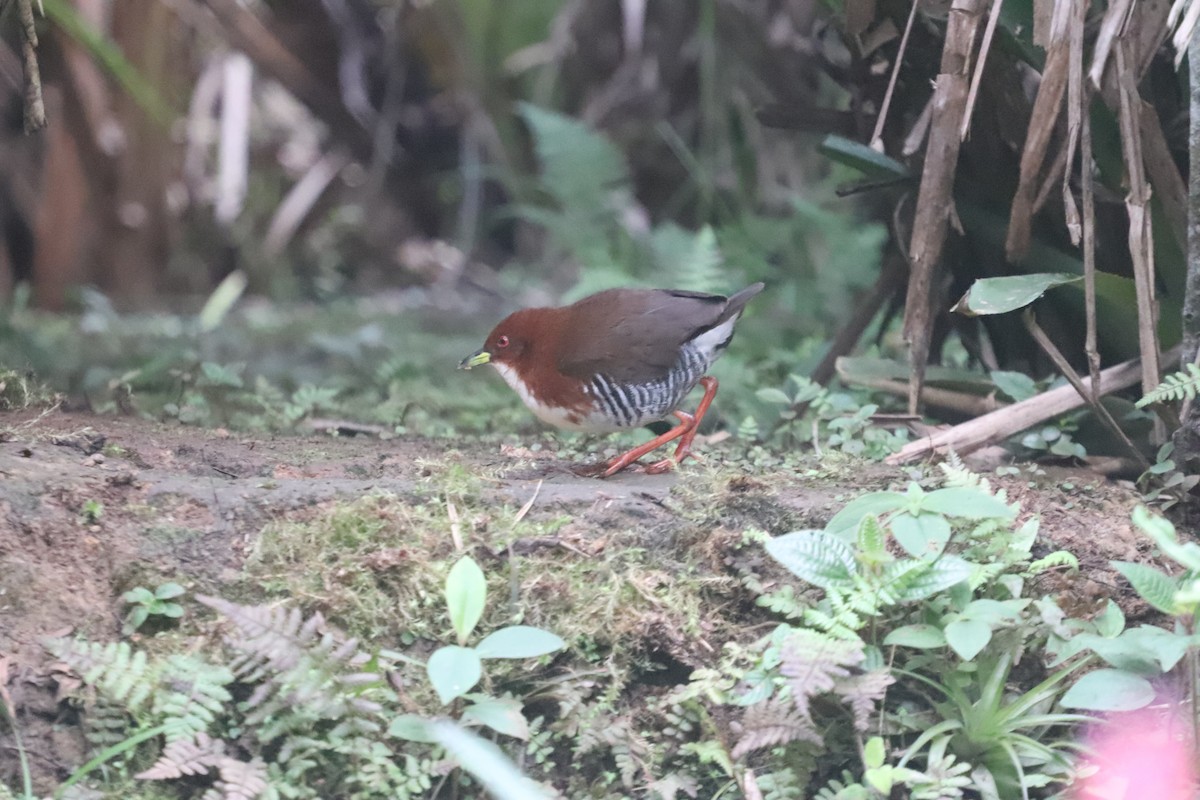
91 506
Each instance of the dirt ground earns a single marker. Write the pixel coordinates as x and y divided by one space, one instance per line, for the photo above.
89 505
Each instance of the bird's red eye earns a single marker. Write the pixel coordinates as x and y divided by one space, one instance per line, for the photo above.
502 342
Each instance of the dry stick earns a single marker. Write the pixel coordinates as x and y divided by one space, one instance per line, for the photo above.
1042 121
1141 242
1086 392
35 108
935 201
971 405
999 425
1079 100
984 47
887 96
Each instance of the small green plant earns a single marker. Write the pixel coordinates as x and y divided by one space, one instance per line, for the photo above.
146 604
91 512
453 670
1164 483
810 412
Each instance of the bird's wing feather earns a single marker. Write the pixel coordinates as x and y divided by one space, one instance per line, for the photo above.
643 344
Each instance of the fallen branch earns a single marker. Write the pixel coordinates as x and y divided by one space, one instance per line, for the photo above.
999 425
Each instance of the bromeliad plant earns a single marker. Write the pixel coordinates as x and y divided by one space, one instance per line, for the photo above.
453 670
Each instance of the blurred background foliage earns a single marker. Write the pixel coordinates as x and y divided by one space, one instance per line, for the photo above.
373 184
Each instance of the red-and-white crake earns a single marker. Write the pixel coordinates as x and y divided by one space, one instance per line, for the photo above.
617 359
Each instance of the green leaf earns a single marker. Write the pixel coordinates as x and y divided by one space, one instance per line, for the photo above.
1154 586
921 637
968 637
466 594
1109 690
772 395
169 590
940 575
874 753
140 595
923 536
1016 385
172 610
968 503
518 641
412 727
862 158
1001 295
137 617
1111 621
815 556
487 763
501 714
874 503
453 671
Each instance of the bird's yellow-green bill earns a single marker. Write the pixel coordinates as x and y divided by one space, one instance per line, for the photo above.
482 357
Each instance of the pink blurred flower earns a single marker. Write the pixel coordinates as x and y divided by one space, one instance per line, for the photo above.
1141 755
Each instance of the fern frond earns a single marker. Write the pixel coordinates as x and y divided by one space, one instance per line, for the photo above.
813 664
863 691
1176 386
774 722
118 672
241 780
193 696
185 757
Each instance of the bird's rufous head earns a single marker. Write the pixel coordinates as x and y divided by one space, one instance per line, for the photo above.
513 342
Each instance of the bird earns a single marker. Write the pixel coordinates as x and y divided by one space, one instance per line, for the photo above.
617 359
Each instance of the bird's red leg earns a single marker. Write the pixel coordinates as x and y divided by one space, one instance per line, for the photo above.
684 449
622 461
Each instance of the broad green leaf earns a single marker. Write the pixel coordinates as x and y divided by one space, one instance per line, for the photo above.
412 727
875 503
967 502
815 556
466 594
1110 621
168 591
921 637
518 641
923 536
881 779
1008 293
1154 586
941 575
453 671
487 763
1109 690
967 637
501 714
995 612
862 158
172 610
1016 385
